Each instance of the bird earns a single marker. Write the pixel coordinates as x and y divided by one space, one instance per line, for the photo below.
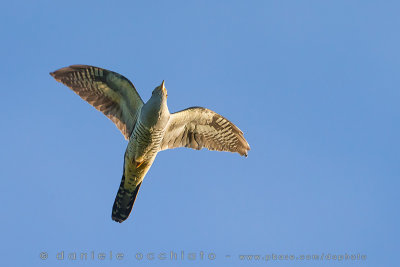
149 127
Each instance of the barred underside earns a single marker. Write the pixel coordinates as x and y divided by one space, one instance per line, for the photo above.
144 143
116 97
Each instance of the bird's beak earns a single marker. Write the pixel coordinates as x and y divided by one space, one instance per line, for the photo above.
163 88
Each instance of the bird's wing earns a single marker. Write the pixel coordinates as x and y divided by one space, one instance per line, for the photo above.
198 127
107 91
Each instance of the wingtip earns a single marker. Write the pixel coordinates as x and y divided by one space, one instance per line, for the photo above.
54 74
243 153
248 149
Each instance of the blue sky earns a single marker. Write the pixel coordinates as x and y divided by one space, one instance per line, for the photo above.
314 85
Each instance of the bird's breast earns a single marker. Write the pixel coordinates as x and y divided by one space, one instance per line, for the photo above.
144 142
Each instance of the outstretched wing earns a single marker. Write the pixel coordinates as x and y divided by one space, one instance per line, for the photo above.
107 91
198 127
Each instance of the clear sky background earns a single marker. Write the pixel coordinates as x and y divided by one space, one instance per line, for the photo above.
314 85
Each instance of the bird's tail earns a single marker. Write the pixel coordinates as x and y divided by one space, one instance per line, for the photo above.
124 202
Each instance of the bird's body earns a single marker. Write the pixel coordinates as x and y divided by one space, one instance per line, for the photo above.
149 126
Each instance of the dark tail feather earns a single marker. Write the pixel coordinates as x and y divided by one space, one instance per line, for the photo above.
123 202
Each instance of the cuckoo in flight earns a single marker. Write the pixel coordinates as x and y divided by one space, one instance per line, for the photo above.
149 126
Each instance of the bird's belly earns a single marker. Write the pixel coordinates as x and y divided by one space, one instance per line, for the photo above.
135 174
142 149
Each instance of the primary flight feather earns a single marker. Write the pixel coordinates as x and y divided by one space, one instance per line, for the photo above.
149 127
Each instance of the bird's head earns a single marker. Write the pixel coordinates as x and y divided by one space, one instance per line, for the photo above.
161 90
155 112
